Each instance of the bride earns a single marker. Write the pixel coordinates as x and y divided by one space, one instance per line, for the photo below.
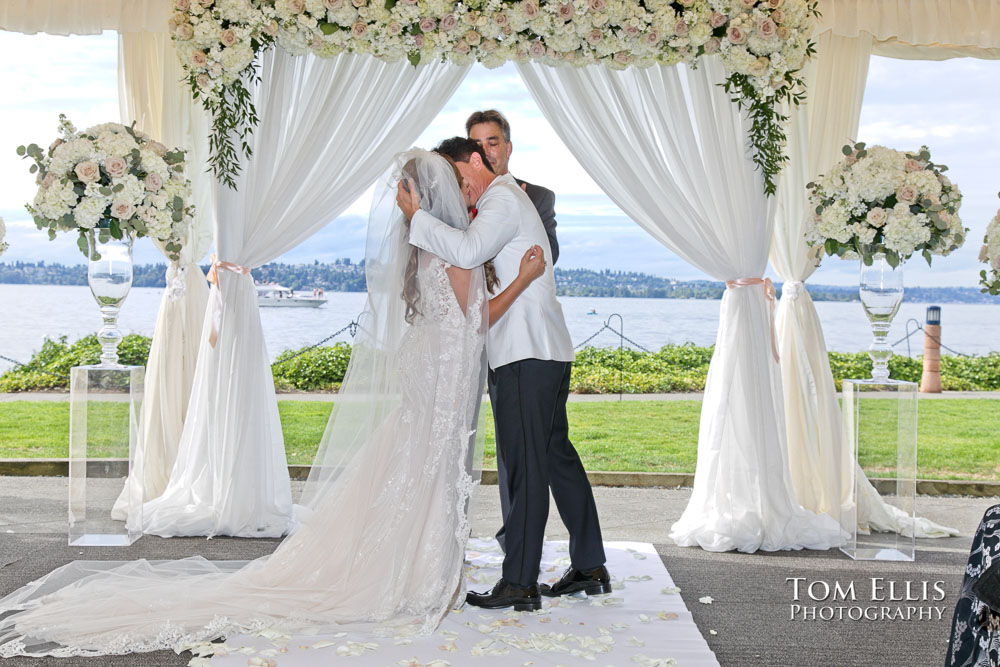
384 519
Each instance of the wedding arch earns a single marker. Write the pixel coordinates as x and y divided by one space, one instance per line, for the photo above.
688 179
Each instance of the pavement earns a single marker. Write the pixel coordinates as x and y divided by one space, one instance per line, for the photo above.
750 621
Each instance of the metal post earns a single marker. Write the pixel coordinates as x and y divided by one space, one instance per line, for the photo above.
930 381
621 355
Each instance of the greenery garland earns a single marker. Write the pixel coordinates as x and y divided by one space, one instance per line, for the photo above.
763 44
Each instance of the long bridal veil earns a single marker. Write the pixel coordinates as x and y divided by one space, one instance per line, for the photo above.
384 517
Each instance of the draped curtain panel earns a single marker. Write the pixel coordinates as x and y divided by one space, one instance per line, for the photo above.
668 146
971 23
151 94
817 454
328 128
84 17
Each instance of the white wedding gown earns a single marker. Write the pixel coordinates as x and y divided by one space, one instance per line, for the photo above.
382 538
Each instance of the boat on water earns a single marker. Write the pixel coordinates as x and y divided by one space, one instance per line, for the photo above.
285 297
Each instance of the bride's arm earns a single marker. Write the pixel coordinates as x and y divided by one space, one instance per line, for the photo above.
460 279
532 267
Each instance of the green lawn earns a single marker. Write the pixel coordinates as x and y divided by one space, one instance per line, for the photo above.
958 438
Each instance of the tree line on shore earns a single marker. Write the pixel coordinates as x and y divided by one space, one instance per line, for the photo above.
343 275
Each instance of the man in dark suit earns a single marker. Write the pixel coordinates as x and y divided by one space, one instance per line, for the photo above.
492 131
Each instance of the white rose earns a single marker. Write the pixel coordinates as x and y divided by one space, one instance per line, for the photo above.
122 210
877 217
88 171
116 167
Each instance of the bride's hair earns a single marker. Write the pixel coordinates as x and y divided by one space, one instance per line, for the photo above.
411 288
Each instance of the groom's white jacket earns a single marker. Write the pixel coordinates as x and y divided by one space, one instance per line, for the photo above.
506 225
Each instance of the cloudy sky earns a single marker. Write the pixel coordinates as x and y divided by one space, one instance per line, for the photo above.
947 105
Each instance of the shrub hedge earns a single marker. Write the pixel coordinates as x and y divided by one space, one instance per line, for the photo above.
675 368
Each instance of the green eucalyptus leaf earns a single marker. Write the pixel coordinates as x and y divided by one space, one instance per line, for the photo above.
118 188
21 150
328 28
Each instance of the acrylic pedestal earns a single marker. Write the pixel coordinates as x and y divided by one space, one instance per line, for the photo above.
880 423
105 404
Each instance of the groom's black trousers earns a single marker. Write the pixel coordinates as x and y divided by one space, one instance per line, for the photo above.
533 449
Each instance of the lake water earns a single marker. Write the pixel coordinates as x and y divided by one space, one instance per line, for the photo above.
29 313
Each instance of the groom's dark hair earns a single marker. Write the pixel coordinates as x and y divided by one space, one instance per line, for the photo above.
460 148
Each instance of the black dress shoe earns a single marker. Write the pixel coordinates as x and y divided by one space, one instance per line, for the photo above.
506 594
592 582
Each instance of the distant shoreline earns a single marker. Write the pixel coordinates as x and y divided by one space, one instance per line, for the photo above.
347 276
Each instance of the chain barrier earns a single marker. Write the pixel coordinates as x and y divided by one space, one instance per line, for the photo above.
919 327
40 370
616 333
351 328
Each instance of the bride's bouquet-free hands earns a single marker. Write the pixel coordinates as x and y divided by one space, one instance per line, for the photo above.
112 178
880 200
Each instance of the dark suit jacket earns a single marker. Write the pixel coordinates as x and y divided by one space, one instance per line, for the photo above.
545 202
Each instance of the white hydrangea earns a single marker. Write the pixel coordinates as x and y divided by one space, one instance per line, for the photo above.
3 233
57 200
115 144
90 211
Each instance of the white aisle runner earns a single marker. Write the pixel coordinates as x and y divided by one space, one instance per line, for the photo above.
643 622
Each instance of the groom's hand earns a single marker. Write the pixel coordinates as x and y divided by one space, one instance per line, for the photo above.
407 200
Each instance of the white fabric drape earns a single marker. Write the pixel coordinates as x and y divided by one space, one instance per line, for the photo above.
321 141
84 17
928 22
820 459
817 455
669 147
150 93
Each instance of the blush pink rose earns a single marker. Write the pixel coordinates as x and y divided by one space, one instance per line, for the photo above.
394 28
449 22
184 32
717 20
228 37
88 171
153 182
530 9
462 48
877 217
778 16
49 179
297 6
774 4
759 66
198 58
632 30
623 57
116 167
427 24
500 19
914 165
766 28
736 35
272 28
359 29
597 5
681 28
748 4
157 148
566 11
204 81
183 5
418 40
122 210
333 5
536 49
652 38
595 36
712 45
359 3
783 32
472 38
906 193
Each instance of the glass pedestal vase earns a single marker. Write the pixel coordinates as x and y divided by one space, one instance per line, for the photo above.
880 424
105 404
109 275
881 293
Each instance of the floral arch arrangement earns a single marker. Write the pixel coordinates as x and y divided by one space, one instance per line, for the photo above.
763 45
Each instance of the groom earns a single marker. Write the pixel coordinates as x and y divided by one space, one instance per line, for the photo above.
530 358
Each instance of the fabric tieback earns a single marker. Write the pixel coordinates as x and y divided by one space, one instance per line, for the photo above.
793 289
213 278
770 295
